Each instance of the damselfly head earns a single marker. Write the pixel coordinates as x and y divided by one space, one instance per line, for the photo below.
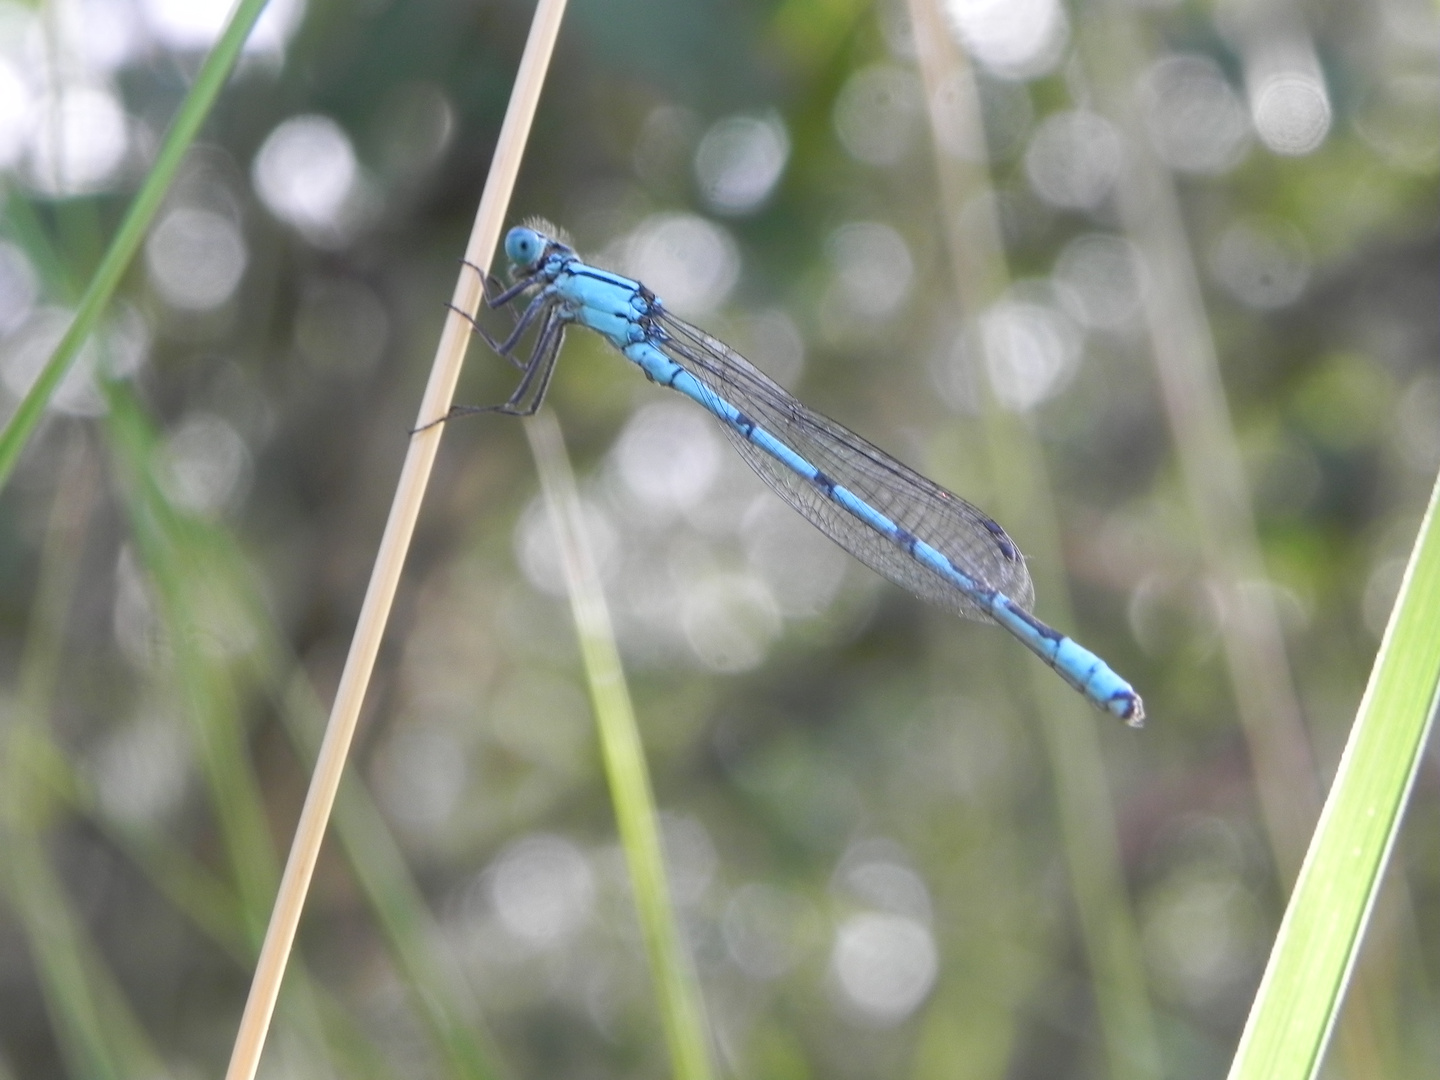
529 244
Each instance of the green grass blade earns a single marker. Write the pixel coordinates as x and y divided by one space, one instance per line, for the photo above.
675 990
116 261
173 551
94 1029
173 558
1315 949
441 996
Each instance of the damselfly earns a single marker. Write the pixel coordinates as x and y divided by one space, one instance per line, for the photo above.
888 516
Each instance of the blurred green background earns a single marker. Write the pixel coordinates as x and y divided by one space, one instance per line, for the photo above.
1024 259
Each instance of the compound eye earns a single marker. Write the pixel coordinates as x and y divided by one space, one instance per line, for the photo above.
524 247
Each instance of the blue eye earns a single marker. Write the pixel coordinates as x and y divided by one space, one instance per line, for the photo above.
526 247
523 246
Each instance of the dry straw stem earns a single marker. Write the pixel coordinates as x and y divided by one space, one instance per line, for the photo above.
394 544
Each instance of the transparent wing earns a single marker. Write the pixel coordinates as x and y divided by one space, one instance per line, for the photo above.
972 542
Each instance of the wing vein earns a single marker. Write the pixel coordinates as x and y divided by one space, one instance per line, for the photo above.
970 539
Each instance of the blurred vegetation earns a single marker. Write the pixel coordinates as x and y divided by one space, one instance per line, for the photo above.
899 846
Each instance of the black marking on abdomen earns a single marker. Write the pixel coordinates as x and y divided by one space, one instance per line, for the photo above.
906 539
824 483
744 424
